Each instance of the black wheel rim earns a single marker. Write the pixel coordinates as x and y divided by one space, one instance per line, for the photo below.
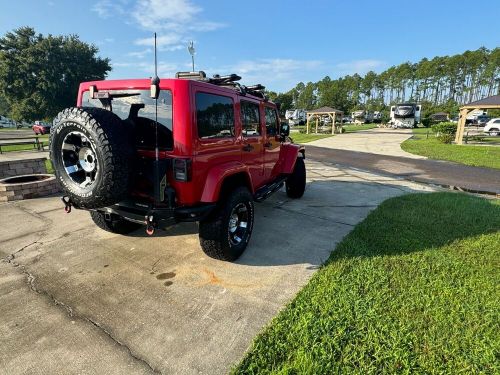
238 224
79 159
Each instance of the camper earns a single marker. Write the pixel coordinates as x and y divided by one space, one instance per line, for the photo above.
362 117
405 115
296 116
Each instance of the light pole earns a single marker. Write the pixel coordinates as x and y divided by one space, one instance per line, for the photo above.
192 51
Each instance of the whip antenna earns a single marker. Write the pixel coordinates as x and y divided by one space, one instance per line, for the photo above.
155 93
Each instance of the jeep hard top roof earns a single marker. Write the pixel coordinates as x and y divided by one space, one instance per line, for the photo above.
228 81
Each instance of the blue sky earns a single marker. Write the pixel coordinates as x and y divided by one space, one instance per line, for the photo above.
276 43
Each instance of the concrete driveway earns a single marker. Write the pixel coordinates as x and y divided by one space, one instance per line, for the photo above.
380 141
77 300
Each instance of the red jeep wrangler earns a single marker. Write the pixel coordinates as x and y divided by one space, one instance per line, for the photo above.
141 152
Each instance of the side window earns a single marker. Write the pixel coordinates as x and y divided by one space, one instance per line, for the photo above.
271 121
497 122
214 116
250 118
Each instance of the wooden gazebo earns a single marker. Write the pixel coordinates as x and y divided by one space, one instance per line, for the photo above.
491 102
323 111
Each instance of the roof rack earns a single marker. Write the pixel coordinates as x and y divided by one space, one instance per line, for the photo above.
230 80
196 76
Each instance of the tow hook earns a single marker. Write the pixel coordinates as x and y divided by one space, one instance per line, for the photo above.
67 204
150 225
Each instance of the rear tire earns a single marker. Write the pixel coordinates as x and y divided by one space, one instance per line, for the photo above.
224 235
116 224
296 182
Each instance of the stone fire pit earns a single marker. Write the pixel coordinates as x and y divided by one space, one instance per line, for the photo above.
27 186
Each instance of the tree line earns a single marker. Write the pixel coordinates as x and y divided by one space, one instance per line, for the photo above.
40 75
442 83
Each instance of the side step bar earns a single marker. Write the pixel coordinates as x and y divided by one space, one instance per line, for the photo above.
266 190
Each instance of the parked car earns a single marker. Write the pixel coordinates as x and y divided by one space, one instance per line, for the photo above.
492 127
41 128
212 149
482 120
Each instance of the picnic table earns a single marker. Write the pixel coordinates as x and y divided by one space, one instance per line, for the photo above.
37 144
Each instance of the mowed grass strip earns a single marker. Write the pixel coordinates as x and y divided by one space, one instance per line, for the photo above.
305 138
412 289
356 128
475 155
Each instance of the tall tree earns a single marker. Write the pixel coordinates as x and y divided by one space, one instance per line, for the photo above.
39 75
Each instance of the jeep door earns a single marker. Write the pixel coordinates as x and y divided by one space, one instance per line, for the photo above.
252 140
216 133
271 142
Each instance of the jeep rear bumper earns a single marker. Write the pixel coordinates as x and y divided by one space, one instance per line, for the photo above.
163 216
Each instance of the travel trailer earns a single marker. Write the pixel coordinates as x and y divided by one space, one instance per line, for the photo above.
296 116
405 115
362 117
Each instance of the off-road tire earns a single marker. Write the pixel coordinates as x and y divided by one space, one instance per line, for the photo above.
296 182
111 139
117 224
214 231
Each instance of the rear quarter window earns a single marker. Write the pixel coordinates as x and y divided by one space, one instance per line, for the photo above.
214 116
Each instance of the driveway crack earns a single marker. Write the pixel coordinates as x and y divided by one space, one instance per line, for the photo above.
30 278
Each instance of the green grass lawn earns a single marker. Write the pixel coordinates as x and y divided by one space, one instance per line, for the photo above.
475 155
356 128
412 289
304 138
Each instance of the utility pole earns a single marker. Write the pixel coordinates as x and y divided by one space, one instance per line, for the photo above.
192 52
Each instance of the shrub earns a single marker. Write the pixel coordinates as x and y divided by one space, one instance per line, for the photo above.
426 122
445 131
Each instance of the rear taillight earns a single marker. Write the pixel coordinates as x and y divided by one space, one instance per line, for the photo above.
182 169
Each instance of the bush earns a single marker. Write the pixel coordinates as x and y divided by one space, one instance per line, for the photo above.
445 131
426 122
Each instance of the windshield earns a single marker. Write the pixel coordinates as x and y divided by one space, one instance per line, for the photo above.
138 107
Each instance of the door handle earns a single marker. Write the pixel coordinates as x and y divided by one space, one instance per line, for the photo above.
248 148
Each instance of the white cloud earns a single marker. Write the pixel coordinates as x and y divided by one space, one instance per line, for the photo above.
140 54
274 73
108 8
169 42
359 66
164 69
175 21
159 14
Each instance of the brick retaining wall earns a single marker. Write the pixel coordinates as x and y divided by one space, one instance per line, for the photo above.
11 168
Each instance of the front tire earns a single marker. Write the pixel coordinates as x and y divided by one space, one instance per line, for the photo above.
226 233
115 224
296 182
494 132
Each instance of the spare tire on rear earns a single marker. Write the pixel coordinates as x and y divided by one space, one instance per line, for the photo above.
91 152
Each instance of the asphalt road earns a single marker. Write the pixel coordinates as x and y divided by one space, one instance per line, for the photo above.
75 299
443 173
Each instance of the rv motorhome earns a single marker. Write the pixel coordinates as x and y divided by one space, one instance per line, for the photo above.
405 115
296 116
362 117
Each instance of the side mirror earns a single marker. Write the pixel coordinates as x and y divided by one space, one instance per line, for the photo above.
284 129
